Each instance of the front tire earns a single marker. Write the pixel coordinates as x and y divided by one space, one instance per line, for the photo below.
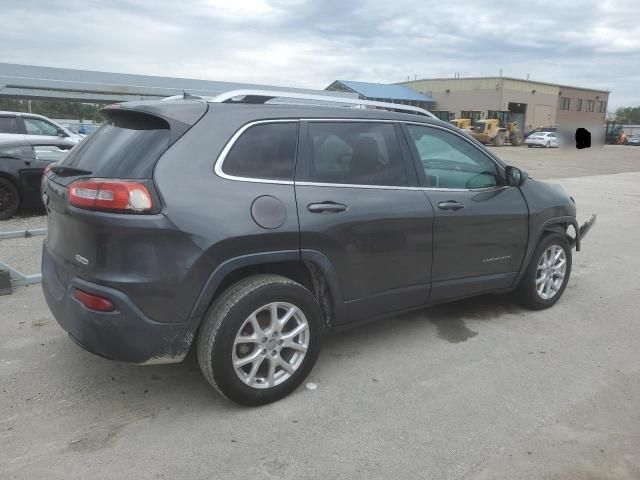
547 274
260 339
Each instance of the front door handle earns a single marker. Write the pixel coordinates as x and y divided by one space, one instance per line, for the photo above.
326 207
450 205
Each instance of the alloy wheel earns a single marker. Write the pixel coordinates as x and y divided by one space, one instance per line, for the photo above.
270 345
552 268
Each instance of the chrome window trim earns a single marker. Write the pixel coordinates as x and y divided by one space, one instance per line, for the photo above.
229 145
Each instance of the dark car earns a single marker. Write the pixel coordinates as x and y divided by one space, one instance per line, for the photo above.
251 229
22 163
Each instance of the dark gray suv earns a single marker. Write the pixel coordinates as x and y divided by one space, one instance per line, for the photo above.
249 229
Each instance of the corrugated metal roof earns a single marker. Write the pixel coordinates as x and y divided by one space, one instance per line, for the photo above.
31 81
380 90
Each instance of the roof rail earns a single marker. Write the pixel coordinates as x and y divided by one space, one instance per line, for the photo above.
263 96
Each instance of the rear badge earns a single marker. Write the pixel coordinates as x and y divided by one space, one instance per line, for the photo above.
81 259
496 259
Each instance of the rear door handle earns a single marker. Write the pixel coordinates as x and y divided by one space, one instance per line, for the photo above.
326 207
450 205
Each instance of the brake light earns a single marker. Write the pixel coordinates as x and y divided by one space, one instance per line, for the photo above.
93 302
110 195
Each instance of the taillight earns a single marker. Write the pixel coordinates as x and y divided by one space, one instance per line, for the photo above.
93 302
110 195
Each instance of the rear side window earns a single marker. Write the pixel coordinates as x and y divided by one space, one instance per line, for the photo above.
359 153
126 146
266 151
8 125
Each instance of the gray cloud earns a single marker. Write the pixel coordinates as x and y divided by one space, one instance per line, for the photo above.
311 43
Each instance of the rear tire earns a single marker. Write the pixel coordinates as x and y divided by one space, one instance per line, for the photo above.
9 199
546 273
279 359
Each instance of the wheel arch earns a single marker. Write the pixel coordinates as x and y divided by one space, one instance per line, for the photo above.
311 269
551 225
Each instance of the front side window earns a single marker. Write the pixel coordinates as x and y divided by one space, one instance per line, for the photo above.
357 153
265 151
449 161
50 153
35 126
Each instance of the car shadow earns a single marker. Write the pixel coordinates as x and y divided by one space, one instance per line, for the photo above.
450 319
181 387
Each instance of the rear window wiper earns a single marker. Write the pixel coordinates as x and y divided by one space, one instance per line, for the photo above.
66 171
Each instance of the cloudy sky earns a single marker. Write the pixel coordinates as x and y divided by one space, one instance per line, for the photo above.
307 43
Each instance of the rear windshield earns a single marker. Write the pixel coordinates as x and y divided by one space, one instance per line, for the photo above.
126 146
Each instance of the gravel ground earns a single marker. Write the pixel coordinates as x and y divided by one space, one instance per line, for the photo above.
477 389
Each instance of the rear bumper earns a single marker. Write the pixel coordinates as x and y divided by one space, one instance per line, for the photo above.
126 334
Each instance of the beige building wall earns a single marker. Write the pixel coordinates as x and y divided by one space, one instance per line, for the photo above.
542 100
573 116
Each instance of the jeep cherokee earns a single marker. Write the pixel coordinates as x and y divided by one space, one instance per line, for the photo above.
250 229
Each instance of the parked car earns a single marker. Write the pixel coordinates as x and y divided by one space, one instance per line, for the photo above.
22 163
250 230
542 139
635 141
551 128
82 129
20 126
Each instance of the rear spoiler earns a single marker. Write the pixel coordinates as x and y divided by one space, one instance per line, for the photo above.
179 116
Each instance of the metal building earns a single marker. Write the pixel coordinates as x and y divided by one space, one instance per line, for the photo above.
383 93
48 83
532 104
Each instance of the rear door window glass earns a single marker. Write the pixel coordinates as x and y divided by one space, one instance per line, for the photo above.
9 125
266 151
357 153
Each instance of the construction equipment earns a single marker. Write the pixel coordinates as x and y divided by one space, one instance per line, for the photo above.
462 123
492 131
614 134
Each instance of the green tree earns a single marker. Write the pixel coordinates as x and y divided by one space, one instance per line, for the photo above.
628 116
54 109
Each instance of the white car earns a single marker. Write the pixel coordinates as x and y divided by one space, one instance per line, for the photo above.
24 126
542 139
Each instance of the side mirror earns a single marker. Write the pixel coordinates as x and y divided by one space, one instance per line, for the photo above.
514 176
62 133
